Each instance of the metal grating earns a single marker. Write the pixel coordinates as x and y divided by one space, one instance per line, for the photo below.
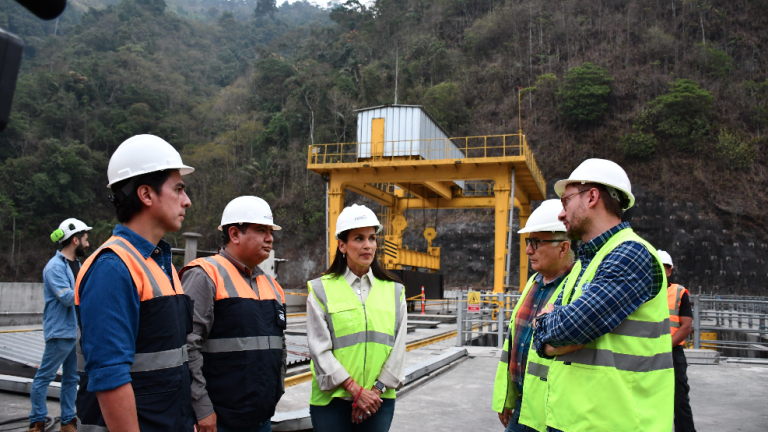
298 349
26 348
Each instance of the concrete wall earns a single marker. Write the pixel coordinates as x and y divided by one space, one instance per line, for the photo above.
21 303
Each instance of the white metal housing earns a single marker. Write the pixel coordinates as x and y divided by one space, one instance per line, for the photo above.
409 130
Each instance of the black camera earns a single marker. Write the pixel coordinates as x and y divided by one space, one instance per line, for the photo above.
11 48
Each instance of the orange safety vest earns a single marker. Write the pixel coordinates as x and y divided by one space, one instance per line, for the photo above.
674 297
243 352
159 374
229 283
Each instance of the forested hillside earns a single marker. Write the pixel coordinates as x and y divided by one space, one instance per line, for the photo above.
675 91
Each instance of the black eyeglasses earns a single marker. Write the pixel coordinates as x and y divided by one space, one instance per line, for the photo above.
534 242
564 200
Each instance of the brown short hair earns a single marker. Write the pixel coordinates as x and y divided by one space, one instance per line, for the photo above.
611 205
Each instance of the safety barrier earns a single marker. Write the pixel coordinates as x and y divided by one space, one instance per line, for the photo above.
740 323
433 149
489 324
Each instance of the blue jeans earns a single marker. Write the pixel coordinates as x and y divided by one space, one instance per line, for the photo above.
337 417
266 427
58 352
514 423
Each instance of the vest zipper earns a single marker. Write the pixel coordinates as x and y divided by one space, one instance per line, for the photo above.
365 346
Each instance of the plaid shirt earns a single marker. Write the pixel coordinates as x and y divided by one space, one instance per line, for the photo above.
520 342
627 278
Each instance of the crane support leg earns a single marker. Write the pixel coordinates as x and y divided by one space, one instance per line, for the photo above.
525 211
502 207
335 206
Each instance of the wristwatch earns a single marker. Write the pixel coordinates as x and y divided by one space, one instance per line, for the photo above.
379 385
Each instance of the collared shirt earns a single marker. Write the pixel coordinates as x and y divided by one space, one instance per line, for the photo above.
202 290
59 319
625 279
520 342
328 371
109 311
360 285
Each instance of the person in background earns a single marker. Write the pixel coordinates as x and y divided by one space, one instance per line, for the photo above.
356 327
60 327
520 368
239 319
134 317
681 325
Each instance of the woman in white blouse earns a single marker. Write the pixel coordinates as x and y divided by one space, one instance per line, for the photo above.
356 326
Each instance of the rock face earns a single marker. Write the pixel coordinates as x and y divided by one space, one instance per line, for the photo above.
709 257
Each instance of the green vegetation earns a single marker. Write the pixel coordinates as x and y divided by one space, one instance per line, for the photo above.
639 145
242 88
584 95
681 116
733 151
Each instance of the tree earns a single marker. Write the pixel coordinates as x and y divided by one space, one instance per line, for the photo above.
445 103
680 116
584 95
638 145
264 8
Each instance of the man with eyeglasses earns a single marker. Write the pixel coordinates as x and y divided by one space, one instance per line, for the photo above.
552 258
608 332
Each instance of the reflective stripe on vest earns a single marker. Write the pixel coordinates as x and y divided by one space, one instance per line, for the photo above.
362 335
628 370
145 362
223 276
242 344
90 428
145 273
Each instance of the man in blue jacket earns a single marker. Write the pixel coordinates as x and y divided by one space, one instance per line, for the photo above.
60 326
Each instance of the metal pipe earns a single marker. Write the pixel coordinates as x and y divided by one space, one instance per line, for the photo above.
509 225
696 322
500 319
460 322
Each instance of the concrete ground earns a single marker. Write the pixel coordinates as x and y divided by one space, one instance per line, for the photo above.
725 397
729 397
14 405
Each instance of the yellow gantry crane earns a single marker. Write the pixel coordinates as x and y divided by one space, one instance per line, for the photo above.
404 160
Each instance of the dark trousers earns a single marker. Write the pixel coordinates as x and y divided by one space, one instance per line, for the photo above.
683 413
337 417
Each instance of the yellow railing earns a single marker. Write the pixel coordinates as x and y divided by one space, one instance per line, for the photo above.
474 147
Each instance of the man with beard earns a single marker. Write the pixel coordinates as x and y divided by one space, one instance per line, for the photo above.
60 326
609 330
237 353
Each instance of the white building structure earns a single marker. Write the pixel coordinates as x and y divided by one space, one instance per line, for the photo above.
402 130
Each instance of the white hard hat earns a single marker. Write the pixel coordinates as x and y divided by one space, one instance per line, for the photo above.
67 229
356 216
248 209
143 154
544 218
665 258
601 171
